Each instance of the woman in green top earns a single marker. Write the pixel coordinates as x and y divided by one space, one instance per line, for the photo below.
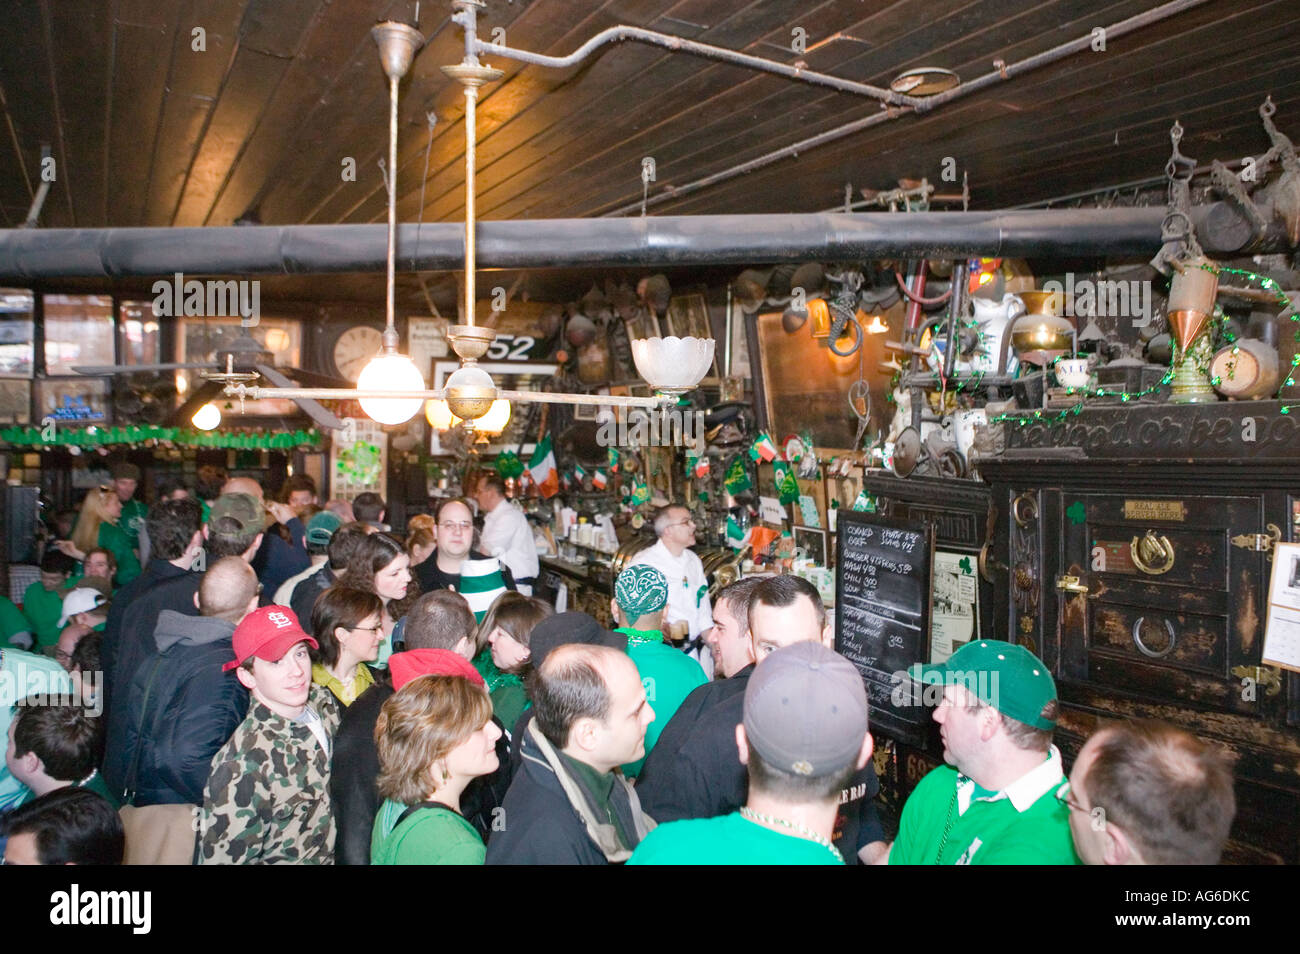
435 736
348 626
97 527
506 628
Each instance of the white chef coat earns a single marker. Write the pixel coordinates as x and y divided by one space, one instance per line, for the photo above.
506 535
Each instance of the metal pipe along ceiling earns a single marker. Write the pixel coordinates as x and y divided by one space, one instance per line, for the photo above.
656 241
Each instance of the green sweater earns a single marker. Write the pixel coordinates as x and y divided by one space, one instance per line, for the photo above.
13 621
132 520
728 840
669 676
114 539
430 836
1024 824
43 609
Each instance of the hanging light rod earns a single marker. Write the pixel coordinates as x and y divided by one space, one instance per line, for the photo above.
253 392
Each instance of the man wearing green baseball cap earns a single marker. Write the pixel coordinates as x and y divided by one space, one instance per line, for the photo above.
995 802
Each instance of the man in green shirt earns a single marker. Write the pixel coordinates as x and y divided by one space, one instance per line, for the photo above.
669 675
54 744
803 737
126 478
995 802
43 600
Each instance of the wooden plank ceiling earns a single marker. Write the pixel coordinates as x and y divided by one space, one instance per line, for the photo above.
148 131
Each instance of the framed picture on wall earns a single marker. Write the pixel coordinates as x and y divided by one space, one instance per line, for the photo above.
812 542
688 317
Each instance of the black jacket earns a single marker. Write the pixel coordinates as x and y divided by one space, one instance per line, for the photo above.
303 599
180 709
431 578
136 642
155 573
355 768
701 776
278 559
541 827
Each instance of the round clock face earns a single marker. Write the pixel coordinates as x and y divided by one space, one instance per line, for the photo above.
354 349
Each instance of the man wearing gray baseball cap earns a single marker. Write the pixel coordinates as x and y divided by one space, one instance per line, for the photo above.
803 737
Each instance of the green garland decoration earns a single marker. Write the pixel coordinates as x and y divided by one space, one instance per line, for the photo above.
95 437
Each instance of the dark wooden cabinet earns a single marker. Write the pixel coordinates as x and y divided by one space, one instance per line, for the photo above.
1134 552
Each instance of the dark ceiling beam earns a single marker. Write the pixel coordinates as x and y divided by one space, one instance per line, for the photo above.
656 241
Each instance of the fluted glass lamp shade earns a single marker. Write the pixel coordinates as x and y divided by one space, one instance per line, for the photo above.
673 365
396 373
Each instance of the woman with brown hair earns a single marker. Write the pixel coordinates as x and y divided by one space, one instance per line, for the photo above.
421 541
380 566
348 626
97 527
435 736
506 628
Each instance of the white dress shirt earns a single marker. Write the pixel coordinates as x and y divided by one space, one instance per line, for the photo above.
685 574
506 535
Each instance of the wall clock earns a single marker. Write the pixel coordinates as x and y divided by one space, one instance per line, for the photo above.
353 348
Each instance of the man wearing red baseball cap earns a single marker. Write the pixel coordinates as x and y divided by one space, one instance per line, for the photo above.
267 798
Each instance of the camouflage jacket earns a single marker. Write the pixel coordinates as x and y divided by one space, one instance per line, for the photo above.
267 800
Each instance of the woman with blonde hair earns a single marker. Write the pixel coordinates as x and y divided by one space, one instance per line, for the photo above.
97 527
435 736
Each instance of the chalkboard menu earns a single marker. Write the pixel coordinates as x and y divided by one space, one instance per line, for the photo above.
882 612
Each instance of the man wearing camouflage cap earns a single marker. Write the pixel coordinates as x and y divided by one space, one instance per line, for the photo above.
668 675
995 802
803 737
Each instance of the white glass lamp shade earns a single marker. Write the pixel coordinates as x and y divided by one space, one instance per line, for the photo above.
673 365
469 392
207 417
396 373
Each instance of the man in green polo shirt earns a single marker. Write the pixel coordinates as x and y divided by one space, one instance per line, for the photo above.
668 674
126 478
995 802
803 738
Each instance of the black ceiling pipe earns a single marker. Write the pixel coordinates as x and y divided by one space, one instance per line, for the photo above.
654 241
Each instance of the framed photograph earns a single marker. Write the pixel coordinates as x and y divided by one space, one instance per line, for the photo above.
812 541
688 317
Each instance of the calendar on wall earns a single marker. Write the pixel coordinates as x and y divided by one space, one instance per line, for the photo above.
1282 632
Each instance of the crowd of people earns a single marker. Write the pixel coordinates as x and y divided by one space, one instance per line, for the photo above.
249 681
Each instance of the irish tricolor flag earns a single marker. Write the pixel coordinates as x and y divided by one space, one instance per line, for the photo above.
542 467
763 448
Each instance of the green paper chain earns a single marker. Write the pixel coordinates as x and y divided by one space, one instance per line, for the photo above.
94 437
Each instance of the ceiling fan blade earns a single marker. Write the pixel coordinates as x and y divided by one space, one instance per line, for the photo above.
133 368
206 392
313 409
314 379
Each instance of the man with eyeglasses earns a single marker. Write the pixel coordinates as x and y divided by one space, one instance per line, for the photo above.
995 802
688 588
456 565
1143 792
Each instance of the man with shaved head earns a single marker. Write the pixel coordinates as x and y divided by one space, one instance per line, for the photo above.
569 804
180 707
283 552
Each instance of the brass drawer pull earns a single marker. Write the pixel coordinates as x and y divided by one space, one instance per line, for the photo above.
1270 677
1146 650
1071 584
1151 554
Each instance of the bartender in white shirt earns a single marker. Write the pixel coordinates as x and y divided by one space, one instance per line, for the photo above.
506 534
688 590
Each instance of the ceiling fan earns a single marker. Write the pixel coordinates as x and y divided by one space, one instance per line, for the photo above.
242 359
